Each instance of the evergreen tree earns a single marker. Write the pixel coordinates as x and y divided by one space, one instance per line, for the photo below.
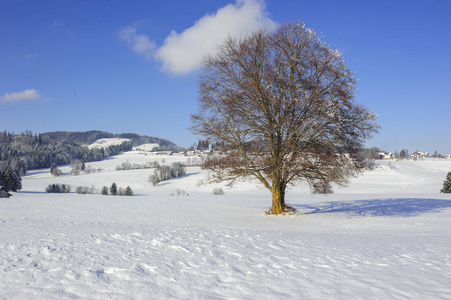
128 191
2 179
402 154
105 190
12 180
446 184
113 189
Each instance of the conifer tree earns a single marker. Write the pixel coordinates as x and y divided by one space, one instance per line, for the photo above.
2 180
128 191
402 154
113 189
12 180
447 184
104 190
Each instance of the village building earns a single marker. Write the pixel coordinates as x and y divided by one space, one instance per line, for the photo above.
383 155
419 154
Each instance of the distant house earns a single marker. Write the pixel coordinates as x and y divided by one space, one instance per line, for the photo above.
419 154
383 155
4 193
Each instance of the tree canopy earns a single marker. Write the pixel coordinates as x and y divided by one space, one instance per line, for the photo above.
280 105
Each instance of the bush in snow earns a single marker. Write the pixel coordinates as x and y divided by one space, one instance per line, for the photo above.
446 184
218 191
181 192
134 166
84 190
55 171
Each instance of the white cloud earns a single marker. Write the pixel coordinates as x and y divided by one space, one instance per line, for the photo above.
182 53
20 96
139 43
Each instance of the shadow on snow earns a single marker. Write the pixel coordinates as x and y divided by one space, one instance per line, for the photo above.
378 207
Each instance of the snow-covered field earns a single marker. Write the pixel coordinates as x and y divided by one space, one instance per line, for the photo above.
105 143
386 236
146 147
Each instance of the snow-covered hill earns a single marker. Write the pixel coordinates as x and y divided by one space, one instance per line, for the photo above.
146 147
386 236
105 143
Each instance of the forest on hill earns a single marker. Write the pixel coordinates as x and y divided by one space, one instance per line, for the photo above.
29 151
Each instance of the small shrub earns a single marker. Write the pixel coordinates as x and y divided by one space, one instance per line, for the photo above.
218 191
84 190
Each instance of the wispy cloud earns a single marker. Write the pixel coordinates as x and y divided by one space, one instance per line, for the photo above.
182 53
31 94
139 43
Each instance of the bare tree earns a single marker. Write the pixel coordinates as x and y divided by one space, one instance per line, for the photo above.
75 167
281 106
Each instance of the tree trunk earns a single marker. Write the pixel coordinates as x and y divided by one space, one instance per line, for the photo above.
278 198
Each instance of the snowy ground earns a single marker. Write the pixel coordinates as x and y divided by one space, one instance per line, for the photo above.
105 143
146 147
386 236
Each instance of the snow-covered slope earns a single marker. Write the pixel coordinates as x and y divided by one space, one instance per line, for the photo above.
105 143
386 236
146 147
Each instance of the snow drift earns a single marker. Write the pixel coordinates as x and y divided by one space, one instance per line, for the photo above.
386 236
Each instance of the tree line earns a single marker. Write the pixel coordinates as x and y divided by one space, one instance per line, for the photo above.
112 190
30 151
162 173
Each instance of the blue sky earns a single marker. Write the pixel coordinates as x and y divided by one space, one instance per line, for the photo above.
132 66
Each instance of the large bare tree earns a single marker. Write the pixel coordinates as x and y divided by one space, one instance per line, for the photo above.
281 107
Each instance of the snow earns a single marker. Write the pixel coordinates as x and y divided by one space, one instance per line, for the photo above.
146 147
386 236
106 142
